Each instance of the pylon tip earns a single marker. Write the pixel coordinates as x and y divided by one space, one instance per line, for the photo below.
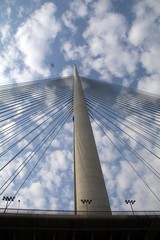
75 70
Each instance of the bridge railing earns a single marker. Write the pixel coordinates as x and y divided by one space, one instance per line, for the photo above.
72 213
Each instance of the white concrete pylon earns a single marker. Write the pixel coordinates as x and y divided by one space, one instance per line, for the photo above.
90 190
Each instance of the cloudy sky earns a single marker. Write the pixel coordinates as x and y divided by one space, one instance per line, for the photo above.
114 41
117 41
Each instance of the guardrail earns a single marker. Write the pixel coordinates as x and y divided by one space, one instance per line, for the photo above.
71 212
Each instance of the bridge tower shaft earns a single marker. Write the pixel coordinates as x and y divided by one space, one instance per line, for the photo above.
90 190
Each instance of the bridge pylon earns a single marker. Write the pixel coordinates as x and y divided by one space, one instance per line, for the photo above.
90 191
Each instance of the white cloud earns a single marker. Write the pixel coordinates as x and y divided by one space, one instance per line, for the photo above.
21 75
139 31
56 144
100 7
5 32
145 27
112 23
77 9
150 84
140 8
24 55
67 18
53 202
111 47
33 196
8 12
21 11
150 59
58 160
34 37
108 51
105 48
144 34
67 71
73 52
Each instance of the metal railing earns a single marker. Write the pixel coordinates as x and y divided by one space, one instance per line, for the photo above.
73 213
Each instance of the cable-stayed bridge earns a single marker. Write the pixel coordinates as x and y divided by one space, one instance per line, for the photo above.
36 121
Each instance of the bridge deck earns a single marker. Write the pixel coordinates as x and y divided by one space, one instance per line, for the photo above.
33 226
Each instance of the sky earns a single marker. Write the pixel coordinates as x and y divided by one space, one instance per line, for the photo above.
113 41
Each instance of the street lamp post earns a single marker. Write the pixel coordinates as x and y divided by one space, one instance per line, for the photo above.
131 202
18 205
8 200
87 202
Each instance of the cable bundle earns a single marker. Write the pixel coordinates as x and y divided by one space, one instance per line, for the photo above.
31 116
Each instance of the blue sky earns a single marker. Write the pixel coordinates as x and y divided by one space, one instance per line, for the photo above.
114 41
117 41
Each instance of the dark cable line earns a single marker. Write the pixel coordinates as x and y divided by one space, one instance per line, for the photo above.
133 123
114 99
154 171
19 90
108 100
139 106
143 136
116 106
28 98
133 96
28 105
25 117
40 157
130 164
39 82
15 143
101 103
141 128
128 106
29 123
26 113
36 149
36 136
90 106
